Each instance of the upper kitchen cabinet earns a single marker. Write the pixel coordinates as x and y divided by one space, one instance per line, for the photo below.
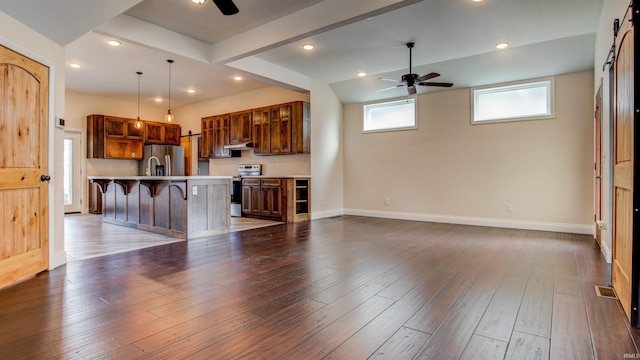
110 137
282 129
261 132
240 131
161 133
215 135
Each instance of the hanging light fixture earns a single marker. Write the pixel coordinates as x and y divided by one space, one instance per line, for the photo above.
169 117
138 123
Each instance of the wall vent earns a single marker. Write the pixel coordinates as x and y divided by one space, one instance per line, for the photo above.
606 292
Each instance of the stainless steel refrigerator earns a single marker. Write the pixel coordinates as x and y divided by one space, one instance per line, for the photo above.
162 160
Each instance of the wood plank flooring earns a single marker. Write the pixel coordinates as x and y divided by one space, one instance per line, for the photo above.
86 236
340 288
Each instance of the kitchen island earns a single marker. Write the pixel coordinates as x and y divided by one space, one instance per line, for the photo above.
185 207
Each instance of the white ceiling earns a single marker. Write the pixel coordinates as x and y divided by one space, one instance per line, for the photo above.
455 38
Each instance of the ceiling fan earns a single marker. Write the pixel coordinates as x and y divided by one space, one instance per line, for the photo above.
227 7
410 80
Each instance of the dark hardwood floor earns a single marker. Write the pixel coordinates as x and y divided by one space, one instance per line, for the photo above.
340 288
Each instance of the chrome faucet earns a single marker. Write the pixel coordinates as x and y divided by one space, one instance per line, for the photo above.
149 164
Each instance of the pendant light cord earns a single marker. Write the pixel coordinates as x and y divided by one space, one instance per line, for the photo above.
170 62
139 75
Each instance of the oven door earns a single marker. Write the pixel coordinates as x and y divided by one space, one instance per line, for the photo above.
236 197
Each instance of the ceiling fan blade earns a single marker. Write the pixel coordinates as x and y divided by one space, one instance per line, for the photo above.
411 90
227 7
429 83
389 88
428 76
392 80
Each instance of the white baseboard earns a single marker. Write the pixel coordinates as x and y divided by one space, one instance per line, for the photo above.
59 259
606 252
326 214
461 220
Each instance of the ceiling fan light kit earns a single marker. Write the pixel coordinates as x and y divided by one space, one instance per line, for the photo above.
410 80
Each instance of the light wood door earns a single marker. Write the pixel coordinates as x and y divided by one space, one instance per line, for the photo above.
24 94
623 170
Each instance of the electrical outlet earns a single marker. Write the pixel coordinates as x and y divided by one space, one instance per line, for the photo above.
509 208
194 190
386 201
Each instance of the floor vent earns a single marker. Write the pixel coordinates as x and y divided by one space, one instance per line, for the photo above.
606 292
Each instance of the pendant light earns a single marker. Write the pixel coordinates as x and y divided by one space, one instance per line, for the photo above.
169 117
138 123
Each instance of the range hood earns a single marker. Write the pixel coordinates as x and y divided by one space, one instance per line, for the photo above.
240 146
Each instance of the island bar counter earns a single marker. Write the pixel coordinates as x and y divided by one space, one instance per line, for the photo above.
185 207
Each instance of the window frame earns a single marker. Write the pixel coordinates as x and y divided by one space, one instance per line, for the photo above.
548 82
386 103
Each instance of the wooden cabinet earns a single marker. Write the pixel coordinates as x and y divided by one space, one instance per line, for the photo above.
161 133
215 135
282 129
299 195
261 131
110 137
240 131
283 199
264 198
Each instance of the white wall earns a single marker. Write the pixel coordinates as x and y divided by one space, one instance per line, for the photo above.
327 157
611 10
24 40
451 171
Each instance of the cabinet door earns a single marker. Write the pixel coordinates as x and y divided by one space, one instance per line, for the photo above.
132 132
246 199
115 128
172 134
240 128
154 133
281 129
206 149
261 134
221 136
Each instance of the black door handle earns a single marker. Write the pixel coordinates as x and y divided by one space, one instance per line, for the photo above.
44 178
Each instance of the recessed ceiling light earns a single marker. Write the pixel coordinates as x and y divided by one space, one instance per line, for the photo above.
477 0
502 45
114 42
199 2
237 78
191 91
362 74
307 47
158 99
75 65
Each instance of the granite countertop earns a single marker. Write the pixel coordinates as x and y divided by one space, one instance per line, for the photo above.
279 177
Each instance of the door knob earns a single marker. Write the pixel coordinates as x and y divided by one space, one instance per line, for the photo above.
45 178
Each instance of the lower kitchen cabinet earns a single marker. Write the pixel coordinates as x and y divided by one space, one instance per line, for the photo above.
282 199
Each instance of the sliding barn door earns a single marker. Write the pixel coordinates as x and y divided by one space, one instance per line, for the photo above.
623 171
24 103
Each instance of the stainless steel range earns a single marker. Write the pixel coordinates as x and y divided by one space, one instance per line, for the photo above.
236 188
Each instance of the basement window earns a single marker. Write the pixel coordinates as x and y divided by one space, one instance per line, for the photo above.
390 116
530 100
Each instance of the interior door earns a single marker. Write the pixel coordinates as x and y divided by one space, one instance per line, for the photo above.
72 172
24 104
623 170
598 164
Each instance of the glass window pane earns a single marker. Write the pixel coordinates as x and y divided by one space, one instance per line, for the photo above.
68 171
392 115
526 100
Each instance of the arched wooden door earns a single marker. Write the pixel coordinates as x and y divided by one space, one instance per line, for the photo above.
24 104
624 169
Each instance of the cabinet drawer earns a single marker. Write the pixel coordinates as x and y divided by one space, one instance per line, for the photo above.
271 182
250 182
